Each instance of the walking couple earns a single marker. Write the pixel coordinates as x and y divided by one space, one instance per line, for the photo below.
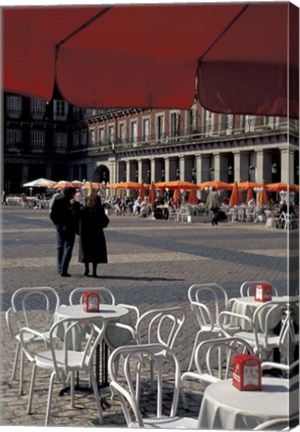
71 218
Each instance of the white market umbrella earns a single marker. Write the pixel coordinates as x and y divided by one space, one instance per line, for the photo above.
41 182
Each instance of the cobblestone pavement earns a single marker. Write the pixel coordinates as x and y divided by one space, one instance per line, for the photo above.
151 264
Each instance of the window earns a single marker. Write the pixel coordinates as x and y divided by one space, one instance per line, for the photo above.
60 110
175 124
101 136
37 108
83 137
60 140
14 106
13 138
37 140
191 120
92 137
209 123
249 123
159 127
146 129
111 134
133 132
228 123
75 139
122 132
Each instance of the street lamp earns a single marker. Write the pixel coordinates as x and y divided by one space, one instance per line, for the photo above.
148 176
211 173
125 176
230 171
274 168
177 174
162 175
136 175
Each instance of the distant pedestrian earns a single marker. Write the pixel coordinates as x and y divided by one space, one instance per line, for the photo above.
92 243
4 198
213 204
65 216
57 194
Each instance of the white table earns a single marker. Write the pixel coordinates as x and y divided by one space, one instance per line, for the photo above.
114 337
247 305
225 407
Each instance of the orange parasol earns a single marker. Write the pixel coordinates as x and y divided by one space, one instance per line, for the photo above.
235 198
63 184
151 196
93 185
262 196
278 187
142 191
177 198
192 199
250 194
127 185
176 184
247 185
218 185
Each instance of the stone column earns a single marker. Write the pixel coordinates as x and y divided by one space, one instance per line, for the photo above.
217 167
287 165
260 166
152 170
182 168
127 170
167 169
237 166
112 170
140 170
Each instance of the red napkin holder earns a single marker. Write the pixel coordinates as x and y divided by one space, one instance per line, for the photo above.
91 301
262 292
246 372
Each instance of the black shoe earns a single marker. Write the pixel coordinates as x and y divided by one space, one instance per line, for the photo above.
95 275
65 275
86 273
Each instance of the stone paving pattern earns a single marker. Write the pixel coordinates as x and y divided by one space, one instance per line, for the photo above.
151 264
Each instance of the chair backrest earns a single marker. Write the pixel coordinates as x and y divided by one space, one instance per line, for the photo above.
279 424
160 326
94 334
214 356
207 301
247 288
106 296
127 376
29 302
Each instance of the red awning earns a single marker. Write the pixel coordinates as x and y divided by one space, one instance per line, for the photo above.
150 55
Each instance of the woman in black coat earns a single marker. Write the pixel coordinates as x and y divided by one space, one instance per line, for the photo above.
92 243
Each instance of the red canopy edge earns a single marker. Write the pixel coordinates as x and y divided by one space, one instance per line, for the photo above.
148 56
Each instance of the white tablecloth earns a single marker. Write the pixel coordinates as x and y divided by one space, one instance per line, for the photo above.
113 336
247 306
225 407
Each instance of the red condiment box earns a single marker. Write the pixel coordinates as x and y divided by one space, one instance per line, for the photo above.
90 301
262 292
246 372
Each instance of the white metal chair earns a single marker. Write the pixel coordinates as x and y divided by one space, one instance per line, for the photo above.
106 296
157 326
261 335
126 379
247 288
64 360
279 424
200 297
213 360
26 304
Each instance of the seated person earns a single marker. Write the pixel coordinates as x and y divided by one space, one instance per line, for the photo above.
146 208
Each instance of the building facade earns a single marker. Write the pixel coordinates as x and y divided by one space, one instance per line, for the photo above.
61 142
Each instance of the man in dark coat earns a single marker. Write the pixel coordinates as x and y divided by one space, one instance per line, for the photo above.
65 216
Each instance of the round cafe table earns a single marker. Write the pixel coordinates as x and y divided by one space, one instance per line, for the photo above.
225 407
113 337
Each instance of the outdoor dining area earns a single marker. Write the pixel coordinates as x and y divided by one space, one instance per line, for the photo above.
274 204
244 362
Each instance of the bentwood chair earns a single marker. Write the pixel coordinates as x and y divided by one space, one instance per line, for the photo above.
31 307
207 301
128 376
247 288
64 360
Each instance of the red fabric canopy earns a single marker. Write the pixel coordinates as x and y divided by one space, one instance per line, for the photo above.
152 55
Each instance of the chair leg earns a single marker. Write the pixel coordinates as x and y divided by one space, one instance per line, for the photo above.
31 389
21 372
193 351
17 354
72 390
96 392
52 378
